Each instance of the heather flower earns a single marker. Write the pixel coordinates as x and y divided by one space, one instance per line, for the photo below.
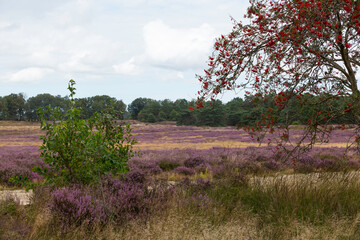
272 165
73 206
148 167
193 162
184 170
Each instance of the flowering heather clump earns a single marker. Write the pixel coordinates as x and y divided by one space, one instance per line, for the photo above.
18 162
73 205
193 162
135 176
306 163
124 199
117 199
149 167
272 165
184 170
329 159
330 163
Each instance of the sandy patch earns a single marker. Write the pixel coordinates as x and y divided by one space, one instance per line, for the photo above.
21 196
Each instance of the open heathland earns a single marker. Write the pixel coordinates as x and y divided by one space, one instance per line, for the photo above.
189 183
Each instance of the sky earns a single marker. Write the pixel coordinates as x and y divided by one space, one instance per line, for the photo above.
122 48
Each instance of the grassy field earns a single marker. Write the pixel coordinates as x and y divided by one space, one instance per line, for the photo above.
189 183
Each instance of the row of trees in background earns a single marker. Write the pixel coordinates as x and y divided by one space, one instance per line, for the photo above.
214 113
14 107
238 111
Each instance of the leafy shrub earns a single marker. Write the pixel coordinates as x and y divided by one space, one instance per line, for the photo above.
295 123
80 151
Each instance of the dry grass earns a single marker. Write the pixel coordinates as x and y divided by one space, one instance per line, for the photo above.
210 223
228 216
184 145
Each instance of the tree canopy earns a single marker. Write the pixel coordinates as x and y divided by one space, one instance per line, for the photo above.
288 50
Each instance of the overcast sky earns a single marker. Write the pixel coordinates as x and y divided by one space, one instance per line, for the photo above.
121 48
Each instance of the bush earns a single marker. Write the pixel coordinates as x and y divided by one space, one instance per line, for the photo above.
184 170
147 167
73 207
125 198
272 165
193 162
116 200
80 151
167 165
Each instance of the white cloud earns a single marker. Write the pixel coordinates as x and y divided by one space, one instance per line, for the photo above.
62 38
169 75
180 75
70 13
30 74
5 24
128 68
177 48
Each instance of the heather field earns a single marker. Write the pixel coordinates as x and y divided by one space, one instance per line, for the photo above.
189 183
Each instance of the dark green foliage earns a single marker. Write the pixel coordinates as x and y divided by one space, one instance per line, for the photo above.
12 107
151 118
150 112
136 106
162 116
167 165
44 100
173 115
212 114
186 118
237 112
99 104
3 109
80 151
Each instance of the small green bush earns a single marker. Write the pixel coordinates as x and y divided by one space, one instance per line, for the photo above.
295 123
167 165
80 151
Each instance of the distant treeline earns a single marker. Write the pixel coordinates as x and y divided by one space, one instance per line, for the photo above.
14 106
238 111
214 113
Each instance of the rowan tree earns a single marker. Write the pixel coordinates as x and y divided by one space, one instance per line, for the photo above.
303 52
